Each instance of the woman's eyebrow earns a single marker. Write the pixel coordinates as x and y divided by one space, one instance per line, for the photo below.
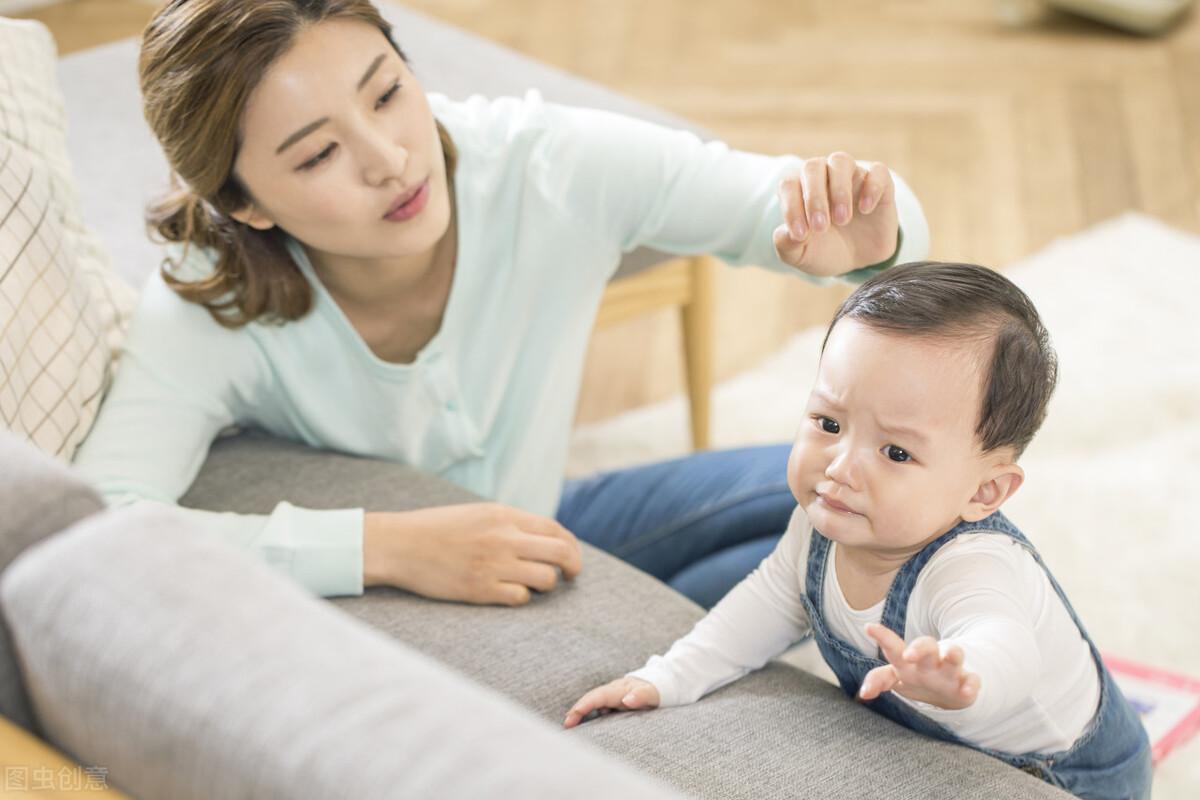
312 126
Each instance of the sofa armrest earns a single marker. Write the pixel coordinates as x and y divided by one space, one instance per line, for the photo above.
193 671
27 764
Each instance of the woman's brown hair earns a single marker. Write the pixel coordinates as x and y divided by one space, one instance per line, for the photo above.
200 61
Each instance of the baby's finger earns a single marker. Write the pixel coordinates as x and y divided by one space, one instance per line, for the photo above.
969 688
791 202
953 656
891 644
640 697
923 653
601 697
814 180
877 187
877 681
841 184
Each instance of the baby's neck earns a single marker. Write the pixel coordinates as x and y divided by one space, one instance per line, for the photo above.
866 573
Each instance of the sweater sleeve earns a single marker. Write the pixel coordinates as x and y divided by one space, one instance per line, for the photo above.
974 600
760 618
182 380
642 184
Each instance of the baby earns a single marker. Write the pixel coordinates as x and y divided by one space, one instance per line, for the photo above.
924 599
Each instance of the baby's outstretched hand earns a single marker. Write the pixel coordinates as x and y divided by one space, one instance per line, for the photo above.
920 671
623 694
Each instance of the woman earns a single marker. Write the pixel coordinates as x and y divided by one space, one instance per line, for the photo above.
366 268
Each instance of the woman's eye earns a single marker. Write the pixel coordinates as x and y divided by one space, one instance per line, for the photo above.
829 425
897 454
386 96
318 158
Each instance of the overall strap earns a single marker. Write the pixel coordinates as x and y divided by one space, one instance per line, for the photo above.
895 606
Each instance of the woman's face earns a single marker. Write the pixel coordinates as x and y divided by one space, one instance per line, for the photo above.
335 139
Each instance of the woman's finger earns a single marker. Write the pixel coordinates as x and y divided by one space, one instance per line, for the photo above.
555 552
533 574
552 529
814 180
791 202
841 187
507 593
876 188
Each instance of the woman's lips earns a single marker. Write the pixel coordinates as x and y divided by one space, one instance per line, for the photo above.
408 206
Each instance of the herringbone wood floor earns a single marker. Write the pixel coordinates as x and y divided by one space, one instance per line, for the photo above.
1010 136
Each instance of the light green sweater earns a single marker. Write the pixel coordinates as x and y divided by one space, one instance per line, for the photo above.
549 197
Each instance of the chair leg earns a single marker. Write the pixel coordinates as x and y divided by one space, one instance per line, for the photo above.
698 318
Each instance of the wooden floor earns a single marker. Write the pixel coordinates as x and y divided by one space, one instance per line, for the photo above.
1010 136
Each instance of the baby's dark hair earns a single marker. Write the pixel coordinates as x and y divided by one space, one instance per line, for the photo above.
966 301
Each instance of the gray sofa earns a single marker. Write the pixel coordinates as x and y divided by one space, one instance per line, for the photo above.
187 669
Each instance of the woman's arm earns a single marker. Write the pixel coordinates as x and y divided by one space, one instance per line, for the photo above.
183 379
645 185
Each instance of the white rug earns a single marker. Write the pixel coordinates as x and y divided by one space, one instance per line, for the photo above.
1113 476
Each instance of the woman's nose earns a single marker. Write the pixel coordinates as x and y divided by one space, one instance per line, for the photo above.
383 160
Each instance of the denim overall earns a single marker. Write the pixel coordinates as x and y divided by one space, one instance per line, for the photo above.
1111 759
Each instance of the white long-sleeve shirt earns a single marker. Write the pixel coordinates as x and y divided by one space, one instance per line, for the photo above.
548 198
1039 686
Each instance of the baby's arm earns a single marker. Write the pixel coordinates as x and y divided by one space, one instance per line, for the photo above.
757 620
982 659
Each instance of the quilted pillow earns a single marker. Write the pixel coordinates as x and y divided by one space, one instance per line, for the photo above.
62 310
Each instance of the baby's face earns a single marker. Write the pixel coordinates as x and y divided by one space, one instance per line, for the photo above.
887 457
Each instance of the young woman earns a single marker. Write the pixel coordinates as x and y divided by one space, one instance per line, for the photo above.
363 267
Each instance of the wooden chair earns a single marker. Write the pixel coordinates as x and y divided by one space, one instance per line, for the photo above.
686 284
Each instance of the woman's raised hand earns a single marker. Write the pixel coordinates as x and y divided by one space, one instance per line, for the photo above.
623 694
483 553
838 215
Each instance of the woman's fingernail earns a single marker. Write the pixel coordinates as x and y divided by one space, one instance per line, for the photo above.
864 204
819 221
841 213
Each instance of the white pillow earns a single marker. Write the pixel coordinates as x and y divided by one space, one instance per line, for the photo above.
63 312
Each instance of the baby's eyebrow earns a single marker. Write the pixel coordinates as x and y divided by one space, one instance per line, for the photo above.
905 431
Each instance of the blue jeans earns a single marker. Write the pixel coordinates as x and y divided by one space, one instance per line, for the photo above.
700 523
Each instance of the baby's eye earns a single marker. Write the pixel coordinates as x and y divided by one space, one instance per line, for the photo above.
897 454
829 425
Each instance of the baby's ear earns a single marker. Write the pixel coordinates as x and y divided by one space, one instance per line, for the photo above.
999 483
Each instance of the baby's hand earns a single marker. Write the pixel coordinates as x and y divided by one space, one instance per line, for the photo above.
920 672
621 694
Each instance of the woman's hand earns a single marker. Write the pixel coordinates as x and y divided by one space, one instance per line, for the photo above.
477 553
838 216
920 672
623 694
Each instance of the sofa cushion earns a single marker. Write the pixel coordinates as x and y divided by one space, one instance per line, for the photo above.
39 497
62 312
189 670
777 733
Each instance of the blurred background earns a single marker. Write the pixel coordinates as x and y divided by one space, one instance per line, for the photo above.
1014 122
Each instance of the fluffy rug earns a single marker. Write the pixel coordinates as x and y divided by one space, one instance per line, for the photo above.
1111 478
